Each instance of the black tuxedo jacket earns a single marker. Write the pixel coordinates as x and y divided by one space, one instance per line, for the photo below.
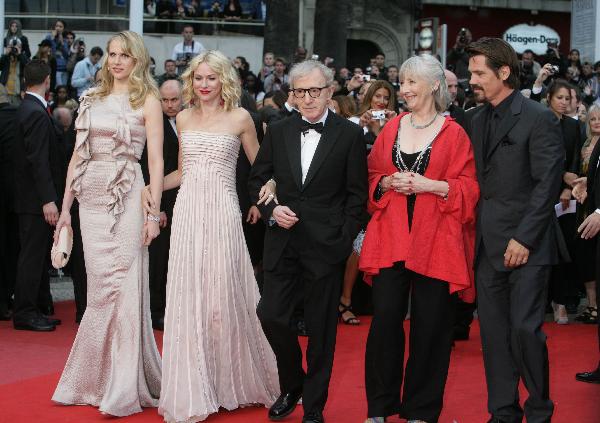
8 121
571 132
171 162
331 202
39 158
519 180
458 114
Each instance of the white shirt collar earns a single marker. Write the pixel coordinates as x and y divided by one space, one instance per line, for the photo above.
39 97
322 120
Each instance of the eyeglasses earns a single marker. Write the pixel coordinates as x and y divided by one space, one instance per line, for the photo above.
314 92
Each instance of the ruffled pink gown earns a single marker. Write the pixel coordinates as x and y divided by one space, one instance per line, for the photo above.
114 363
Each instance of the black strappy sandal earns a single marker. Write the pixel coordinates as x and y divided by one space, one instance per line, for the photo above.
343 308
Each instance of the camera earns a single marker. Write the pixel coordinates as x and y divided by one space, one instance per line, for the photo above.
314 57
554 69
14 42
462 36
378 114
366 78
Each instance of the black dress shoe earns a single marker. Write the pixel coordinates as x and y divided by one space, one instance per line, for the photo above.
35 324
285 405
53 321
589 377
461 334
158 324
313 418
5 314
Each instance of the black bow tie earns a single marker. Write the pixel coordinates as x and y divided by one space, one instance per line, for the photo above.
306 126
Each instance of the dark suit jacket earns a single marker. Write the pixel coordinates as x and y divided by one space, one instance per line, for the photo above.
242 170
40 159
8 123
171 162
458 114
593 176
519 180
330 204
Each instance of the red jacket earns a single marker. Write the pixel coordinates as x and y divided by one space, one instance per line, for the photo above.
441 242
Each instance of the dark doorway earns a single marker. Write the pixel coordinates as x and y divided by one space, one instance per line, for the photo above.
360 52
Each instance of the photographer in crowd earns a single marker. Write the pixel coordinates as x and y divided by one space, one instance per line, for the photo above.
14 36
457 59
186 50
12 63
529 69
85 70
60 51
278 78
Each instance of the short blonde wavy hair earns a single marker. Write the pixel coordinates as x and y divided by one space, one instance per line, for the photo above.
231 90
141 82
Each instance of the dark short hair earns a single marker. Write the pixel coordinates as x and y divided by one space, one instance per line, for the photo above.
61 21
36 72
281 60
169 61
528 51
556 85
497 53
380 54
69 33
96 51
577 92
187 26
393 66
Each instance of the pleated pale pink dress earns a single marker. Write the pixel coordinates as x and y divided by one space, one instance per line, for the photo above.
215 353
114 363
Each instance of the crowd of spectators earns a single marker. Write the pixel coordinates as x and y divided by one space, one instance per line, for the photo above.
193 9
362 90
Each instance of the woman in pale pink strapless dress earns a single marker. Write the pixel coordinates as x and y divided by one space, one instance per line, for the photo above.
114 363
215 353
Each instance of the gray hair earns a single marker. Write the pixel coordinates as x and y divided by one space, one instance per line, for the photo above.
430 69
300 70
594 108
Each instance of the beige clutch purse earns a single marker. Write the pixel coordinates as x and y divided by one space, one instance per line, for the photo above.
61 252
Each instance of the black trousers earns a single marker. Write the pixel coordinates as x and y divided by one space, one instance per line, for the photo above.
158 253
430 344
322 284
32 288
511 307
9 253
78 272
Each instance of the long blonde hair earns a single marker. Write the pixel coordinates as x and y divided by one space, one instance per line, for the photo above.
231 89
141 82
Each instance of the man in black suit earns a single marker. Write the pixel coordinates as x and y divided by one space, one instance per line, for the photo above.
456 112
318 161
9 235
589 229
39 185
519 157
171 101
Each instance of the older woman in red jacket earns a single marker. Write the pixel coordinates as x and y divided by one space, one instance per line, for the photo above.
420 242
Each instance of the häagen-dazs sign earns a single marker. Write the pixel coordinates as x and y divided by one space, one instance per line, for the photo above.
534 37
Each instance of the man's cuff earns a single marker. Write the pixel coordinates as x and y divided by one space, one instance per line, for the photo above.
597 211
523 244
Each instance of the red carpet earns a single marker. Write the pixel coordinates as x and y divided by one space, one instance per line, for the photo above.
30 365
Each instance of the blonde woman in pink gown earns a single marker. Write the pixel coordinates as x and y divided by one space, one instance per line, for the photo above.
215 353
114 363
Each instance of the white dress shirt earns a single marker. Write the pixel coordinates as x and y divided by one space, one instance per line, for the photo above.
309 141
40 98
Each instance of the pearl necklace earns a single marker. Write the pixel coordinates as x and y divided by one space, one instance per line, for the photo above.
412 123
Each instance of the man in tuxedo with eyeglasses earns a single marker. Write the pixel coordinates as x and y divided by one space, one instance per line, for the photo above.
318 162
